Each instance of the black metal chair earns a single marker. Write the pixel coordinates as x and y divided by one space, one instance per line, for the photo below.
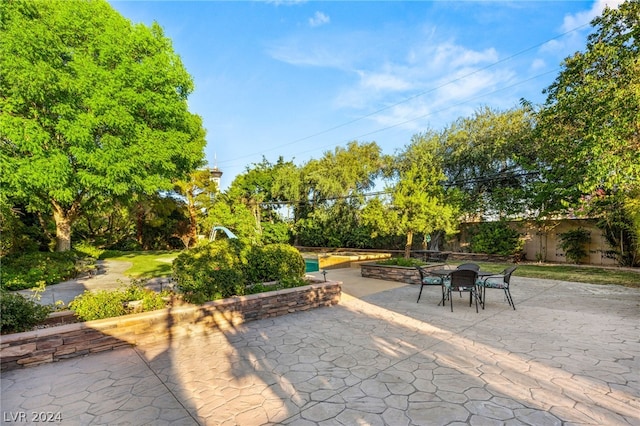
469 266
462 280
429 279
499 281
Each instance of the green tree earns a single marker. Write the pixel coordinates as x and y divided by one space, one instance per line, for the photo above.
255 188
419 202
90 106
486 156
589 127
198 191
237 217
326 194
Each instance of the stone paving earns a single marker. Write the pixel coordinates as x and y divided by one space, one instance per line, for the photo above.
569 355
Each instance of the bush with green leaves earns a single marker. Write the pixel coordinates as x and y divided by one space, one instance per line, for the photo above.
88 250
495 238
112 303
574 243
401 261
273 262
211 271
279 285
224 268
26 270
19 313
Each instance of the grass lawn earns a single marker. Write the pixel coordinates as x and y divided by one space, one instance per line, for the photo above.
146 264
580 274
150 264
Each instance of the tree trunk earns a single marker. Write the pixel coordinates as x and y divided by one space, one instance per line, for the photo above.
436 239
407 247
63 219
139 223
193 225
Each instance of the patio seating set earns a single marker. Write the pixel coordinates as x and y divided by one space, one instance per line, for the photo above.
466 278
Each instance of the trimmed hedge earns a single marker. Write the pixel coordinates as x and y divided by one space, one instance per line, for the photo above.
273 262
226 267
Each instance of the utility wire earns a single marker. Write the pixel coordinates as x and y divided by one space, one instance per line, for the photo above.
434 112
449 184
419 94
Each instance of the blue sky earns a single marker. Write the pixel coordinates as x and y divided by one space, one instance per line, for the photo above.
298 78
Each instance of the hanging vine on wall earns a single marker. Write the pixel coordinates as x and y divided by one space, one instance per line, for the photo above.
574 243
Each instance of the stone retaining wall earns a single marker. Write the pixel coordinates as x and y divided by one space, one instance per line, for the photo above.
402 274
67 341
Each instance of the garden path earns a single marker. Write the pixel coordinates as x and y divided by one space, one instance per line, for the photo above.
109 275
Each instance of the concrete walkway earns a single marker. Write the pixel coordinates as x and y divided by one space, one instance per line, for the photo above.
110 275
569 355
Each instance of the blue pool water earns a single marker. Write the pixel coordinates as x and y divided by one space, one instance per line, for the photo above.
311 265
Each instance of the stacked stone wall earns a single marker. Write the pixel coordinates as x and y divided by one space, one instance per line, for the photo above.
67 341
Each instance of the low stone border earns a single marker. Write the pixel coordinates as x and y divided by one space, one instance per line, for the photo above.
402 274
67 341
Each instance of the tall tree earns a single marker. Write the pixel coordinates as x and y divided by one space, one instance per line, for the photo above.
485 156
90 105
418 202
326 194
198 192
255 188
589 127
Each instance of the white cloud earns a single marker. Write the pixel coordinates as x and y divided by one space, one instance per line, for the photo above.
573 21
409 84
538 64
383 81
319 19
285 2
574 39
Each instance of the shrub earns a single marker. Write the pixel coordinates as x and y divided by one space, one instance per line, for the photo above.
282 284
573 243
19 313
273 262
211 271
401 261
86 249
224 268
26 270
495 238
107 304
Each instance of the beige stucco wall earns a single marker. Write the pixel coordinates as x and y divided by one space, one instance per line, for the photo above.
543 243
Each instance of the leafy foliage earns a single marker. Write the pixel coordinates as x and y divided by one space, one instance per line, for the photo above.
495 238
290 282
487 157
273 262
92 106
401 261
590 125
224 268
419 202
211 271
19 313
573 243
88 250
107 304
20 271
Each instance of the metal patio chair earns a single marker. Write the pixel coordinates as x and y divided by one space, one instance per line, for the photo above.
462 280
499 281
429 279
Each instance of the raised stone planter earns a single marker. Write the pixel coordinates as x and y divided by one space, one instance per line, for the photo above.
402 274
67 341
